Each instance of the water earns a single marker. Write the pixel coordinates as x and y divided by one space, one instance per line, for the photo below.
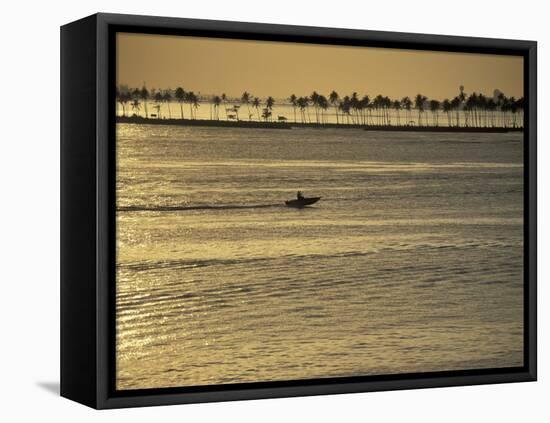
411 262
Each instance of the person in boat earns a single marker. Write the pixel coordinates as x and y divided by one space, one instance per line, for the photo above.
299 195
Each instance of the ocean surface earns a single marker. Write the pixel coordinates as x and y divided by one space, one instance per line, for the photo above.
411 262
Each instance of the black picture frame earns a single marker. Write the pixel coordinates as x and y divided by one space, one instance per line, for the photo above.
88 210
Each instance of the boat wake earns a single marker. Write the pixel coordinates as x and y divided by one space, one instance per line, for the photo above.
197 207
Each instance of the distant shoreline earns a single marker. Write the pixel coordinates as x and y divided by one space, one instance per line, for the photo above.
289 125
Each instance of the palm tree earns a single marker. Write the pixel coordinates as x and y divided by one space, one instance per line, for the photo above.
122 98
269 102
136 106
378 105
224 99
482 106
323 105
308 101
144 95
455 105
195 103
447 107
216 100
256 104
467 109
396 104
314 98
491 106
333 98
134 95
345 107
387 106
167 97
245 99
462 95
294 102
236 108
471 107
419 101
354 105
180 97
500 103
190 97
406 103
434 108
505 108
127 99
359 110
461 99
302 103
519 106
157 96
364 104
513 110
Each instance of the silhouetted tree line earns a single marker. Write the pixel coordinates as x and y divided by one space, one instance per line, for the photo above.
473 110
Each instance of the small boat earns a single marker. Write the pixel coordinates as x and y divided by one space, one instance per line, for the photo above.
302 202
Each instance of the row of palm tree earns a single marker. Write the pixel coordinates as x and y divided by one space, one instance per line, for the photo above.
135 98
474 110
477 109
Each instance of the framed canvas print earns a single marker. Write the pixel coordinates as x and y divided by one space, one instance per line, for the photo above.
255 211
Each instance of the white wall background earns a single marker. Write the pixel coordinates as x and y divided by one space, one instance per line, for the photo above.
29 170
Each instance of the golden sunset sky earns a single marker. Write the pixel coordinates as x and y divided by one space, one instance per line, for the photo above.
263 68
